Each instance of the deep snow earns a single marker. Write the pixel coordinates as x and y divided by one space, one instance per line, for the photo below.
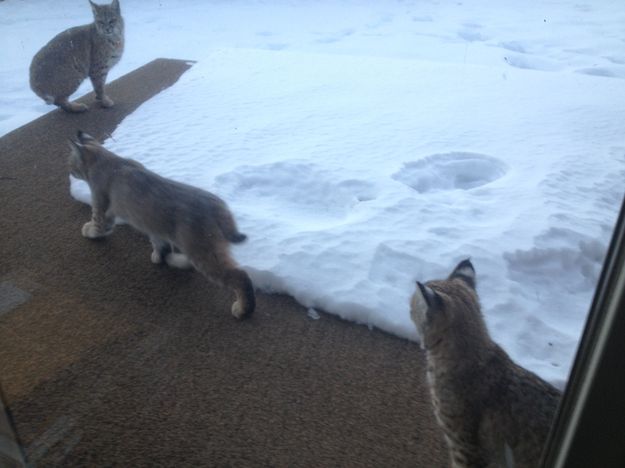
365 145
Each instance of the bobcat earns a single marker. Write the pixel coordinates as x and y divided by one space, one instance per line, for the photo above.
492 411
187 226
90 50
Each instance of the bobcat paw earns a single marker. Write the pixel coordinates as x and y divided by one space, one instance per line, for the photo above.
156 257
106 102
240 311
178 260
74 107
237 310
92 231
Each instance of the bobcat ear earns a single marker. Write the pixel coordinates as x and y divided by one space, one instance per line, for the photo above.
430 297
94 7
464 271
76 149
74 145
115 5
84 137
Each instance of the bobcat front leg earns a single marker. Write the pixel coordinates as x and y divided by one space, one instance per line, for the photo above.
101 224
98 80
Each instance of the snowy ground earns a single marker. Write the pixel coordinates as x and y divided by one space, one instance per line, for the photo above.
365 145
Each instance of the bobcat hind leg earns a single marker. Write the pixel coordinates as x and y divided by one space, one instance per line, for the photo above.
178 260
242 285
67 106
166 251
219 266
160 249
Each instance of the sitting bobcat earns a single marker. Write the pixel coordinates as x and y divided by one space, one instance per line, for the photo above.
186 225
492 411
77 53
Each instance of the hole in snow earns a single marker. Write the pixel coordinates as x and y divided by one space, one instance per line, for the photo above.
450 171
292 190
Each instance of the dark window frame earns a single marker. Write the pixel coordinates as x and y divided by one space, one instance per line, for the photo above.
589 429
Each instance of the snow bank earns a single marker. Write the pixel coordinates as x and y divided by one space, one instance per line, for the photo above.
356 176
365 145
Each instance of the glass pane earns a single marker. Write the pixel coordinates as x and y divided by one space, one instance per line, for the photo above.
356 148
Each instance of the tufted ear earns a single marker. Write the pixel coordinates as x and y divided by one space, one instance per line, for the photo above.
465 272
76 148
115 6
431 298
76 159
94 7
84 138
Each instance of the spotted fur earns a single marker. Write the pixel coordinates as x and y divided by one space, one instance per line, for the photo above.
492 411
59 68
187 227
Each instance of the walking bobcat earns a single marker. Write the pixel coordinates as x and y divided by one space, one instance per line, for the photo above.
91 50
186 225
492 411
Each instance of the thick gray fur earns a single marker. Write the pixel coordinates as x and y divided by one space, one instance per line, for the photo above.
187 226
493 412
59 68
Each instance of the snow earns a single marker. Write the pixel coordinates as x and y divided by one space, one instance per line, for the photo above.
365 145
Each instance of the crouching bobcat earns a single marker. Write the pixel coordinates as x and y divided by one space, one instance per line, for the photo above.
492 411
187 226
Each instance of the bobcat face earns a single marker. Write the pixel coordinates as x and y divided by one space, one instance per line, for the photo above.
439 308
108 20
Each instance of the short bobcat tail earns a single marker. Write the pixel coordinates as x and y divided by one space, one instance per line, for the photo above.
236 237
229 228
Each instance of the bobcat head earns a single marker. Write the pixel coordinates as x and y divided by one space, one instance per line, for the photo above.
448 310
108 19
84 152
88 152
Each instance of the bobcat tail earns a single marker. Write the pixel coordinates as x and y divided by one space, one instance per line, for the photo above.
236 237
229 228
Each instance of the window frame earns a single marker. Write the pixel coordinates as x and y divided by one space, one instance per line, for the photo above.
589 429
